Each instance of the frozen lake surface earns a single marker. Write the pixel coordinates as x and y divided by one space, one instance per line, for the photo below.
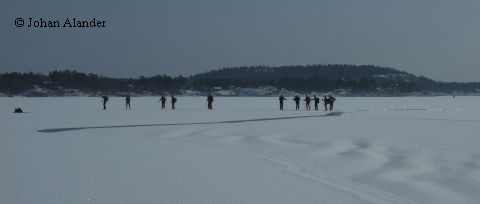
369 150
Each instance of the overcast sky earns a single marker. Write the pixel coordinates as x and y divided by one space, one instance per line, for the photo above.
439 39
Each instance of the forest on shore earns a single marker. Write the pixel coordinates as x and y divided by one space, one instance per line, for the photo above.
352 79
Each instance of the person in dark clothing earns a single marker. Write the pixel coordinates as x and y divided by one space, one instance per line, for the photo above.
210 101
281 98
163 100
316 100
104 100
18 110
174 100
307 102
297 102
331 100
325 102
127 102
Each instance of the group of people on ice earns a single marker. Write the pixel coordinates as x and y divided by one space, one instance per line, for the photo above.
162 100
327 102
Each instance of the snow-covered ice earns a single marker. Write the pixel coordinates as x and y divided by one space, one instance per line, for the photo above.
373 150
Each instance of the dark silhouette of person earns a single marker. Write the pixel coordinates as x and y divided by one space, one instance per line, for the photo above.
174 100
210 101
325 101
127 102
297 102
307 102
316 101
18 110
281 98
163 100
331 100
104 100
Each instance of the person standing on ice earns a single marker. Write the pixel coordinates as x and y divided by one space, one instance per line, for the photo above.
210 101
316 100
174 100
307 102
281 98
127 102
163 100
104 100
325 102
297 102
331 100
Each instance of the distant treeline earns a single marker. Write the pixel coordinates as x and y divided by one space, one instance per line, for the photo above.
14 83
320 78
324 78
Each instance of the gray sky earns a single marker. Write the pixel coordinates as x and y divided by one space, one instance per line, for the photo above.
436 38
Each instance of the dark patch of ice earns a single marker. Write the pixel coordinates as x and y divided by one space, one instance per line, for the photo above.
55 130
